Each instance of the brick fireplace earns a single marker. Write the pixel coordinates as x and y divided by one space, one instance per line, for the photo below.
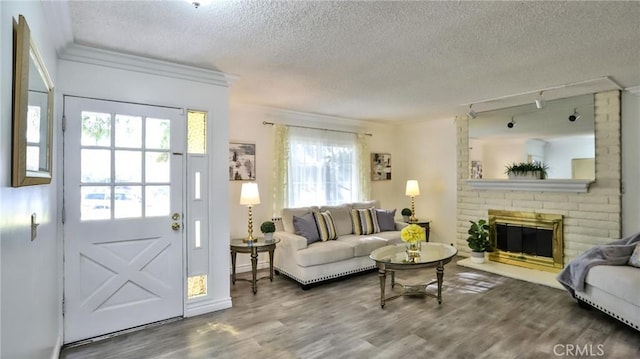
589 218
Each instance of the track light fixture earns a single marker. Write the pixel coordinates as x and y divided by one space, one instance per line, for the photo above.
511 124
472 114
574 116
540 101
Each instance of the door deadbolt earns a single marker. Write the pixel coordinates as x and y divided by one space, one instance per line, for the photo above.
175 216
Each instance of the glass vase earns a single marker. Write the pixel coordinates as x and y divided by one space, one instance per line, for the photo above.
413 250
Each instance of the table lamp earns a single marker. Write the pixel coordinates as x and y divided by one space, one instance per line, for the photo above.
412 190
249 196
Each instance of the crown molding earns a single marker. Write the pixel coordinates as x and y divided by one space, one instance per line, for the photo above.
634 90
117 60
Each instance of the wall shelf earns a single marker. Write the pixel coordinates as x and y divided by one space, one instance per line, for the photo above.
545 185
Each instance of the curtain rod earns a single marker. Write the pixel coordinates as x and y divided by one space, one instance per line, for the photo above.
317 128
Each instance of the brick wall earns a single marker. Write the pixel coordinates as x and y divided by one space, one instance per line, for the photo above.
589 218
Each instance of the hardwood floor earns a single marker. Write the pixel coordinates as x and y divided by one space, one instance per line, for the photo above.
482 315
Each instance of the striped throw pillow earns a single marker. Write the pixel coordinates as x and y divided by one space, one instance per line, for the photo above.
365 221
326 228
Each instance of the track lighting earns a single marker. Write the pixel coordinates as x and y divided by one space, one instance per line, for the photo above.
511 124
198 3
472 114
574 116
540 101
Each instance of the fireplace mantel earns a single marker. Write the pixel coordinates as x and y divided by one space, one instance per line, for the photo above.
545 185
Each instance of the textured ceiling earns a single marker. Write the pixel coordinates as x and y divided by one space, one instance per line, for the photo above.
376 60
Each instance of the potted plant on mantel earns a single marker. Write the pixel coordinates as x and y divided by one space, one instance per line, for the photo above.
526 170
406 214
267 228
478 240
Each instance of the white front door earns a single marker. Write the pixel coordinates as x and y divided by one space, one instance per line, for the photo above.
123 238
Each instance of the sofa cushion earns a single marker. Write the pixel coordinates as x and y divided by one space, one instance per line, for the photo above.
363 245
386 219
366 204
288 213
620 281
634 260
365 221
305 226
393 237
326 227
341 216
323 252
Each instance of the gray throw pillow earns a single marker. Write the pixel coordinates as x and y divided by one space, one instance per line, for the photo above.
386 219
305 226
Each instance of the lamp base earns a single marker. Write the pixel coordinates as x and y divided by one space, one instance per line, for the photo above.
247 240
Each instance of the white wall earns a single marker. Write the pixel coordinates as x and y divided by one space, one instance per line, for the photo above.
31 279
426 152
630 162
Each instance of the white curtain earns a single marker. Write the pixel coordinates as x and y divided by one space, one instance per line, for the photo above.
363 158
281 159
322 168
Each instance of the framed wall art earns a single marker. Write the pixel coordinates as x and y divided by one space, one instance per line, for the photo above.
380 166
242 161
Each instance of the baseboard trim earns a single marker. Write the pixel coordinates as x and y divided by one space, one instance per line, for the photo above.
57 349
206 306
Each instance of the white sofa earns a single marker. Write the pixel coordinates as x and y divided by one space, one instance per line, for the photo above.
614 290
320 261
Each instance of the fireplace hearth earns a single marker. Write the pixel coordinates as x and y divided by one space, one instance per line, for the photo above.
527 239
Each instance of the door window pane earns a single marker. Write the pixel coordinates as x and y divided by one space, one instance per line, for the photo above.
196 186
157 201
157 168
157 134
196 286
197 132
128 131
95 166
95 202
127 202
128 166
96 129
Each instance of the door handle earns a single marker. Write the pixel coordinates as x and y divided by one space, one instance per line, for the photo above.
175 226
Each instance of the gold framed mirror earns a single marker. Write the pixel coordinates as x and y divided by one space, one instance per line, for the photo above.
32 111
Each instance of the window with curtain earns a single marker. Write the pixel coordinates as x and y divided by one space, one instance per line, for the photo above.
322 168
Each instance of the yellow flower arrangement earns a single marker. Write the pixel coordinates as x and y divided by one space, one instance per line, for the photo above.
413 233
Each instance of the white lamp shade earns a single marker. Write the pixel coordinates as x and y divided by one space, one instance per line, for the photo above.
413 189
249 194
